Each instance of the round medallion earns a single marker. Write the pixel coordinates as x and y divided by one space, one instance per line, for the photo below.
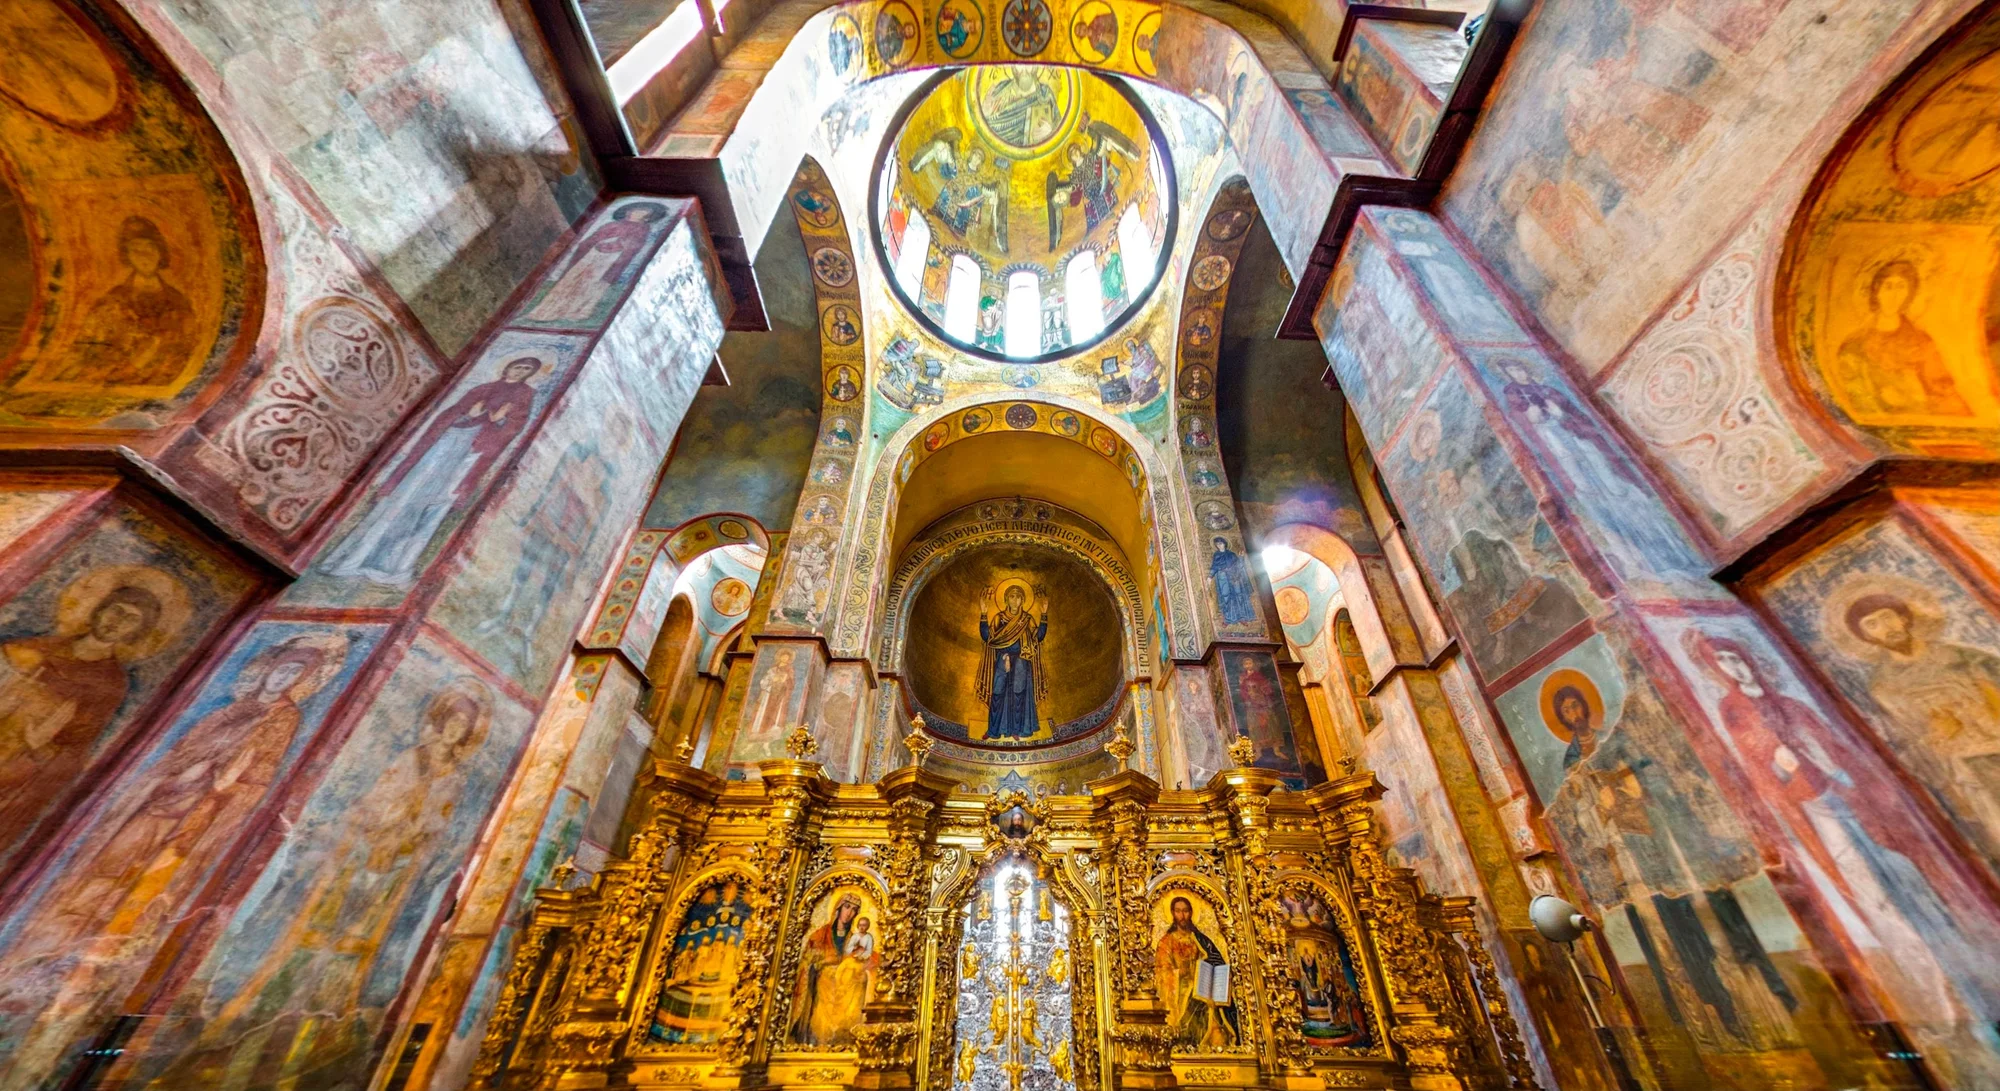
730 596
843 46
1197 383
960 28
816 206
895 34
1093 31
839 326
1103 441
1211 272
1227 225
1065 423
1293 605
1215 515
975 420
51 63
1025 25
1143 37
1950 140
732 529
842 384
832 266
1020 415
1199 329
936 435
1025 110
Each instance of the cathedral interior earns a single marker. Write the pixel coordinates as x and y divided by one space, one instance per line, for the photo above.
956 545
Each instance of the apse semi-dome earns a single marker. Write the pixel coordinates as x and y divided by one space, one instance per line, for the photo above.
1024 211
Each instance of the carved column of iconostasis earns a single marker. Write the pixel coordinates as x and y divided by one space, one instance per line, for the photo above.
1645 706
1243 682
357 734
792 680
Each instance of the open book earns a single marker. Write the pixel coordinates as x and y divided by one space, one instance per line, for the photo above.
1211 982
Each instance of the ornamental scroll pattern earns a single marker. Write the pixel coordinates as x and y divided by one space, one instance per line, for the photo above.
343 375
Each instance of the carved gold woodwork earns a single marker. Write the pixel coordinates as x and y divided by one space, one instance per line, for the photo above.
607 985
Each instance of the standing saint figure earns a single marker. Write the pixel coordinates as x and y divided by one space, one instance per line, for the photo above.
444 467
1231 578
1193 979
1893 366
596 266
1011 678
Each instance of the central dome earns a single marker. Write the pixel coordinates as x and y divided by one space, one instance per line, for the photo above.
1024 211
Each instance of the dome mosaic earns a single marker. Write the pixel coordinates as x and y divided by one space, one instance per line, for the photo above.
1024 211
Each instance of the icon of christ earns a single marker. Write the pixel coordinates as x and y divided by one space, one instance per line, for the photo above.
1011 680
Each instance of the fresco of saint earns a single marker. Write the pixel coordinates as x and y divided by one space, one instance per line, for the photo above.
1193 977
59 692
1231 577
835 971
1893 366
141 332
1011 679
444 467
597 266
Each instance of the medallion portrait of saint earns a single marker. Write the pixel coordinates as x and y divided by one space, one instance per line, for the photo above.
1192 971
1012 679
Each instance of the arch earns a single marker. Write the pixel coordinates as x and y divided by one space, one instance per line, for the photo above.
146 288
1357 595
870 538
1221 57
1906 203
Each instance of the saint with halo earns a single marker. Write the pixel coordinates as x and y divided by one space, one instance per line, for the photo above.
1011 680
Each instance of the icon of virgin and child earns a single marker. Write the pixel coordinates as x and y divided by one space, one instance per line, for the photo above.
835 972
1012 677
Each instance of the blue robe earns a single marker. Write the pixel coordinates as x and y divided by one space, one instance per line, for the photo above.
1013 675
1232 587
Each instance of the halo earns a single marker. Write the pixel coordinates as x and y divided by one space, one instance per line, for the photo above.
1553 684
1000 593
1925 616
467 689
82 596
333 656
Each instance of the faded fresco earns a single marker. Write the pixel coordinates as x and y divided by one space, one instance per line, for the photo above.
88 642
102 909
1881 304
1907 642
435 477
339 915
125 226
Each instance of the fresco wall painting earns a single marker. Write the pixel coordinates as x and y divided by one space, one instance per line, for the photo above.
1869 305
1762 999
131 226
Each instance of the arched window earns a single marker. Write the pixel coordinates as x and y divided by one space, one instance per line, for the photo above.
1135 242
1083 296
961 298
1024 314
910 259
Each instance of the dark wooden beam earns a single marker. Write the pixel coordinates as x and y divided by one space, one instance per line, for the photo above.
1461 111
1391 13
